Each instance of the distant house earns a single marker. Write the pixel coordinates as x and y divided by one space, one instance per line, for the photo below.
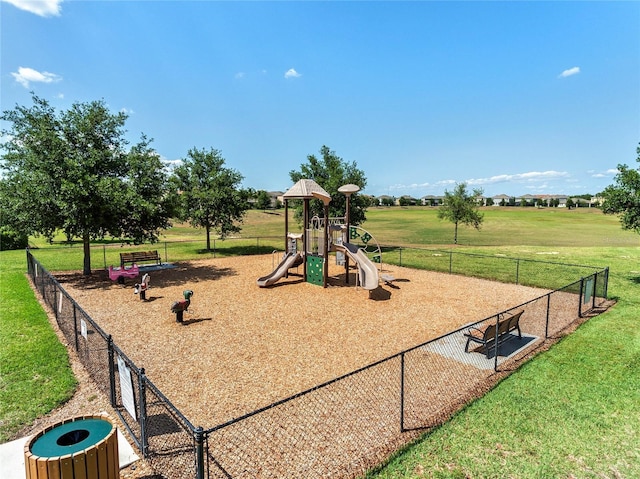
430 200
276 198
561 200
500 200
373 201
385 200
406 200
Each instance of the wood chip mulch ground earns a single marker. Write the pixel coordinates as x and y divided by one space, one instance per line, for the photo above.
242 347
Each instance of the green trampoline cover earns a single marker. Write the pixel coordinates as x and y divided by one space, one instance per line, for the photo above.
71 437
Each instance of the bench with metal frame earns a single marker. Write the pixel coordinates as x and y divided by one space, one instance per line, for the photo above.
136 257
497 332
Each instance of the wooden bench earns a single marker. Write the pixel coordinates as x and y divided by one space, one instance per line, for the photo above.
139 256
504 326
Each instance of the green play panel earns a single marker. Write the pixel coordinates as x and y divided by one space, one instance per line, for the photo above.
315 270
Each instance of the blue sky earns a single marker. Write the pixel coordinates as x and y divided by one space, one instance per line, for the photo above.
511 97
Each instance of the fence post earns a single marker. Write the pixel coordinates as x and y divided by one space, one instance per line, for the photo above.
546 326
450 261
518 271
400 255
75 324
166 254
104 255
402 429
144 443
580 297
55 302
199 438
606 283
214 247
112 372
595 290
495 359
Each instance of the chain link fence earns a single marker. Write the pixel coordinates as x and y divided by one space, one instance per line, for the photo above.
346 426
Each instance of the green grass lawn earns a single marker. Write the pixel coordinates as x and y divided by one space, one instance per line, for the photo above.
35 375
572 412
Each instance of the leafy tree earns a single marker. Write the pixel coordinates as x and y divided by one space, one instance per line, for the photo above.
209 195
331 172
70 171
407 201
263 200
146 198
623 198
11 239
461 207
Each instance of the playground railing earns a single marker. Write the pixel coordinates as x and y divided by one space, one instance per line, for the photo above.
347 425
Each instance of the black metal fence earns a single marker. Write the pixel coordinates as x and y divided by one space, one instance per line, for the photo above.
350 424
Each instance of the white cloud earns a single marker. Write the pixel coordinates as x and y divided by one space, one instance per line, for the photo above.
607 174
239 75
519 177
44 8
292 73
412 186
532 180
26 76
570 72
170 165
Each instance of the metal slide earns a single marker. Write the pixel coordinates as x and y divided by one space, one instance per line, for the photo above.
288 262
367 270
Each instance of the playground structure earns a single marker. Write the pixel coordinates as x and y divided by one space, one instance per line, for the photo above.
142 287
179 307
321 236
119 274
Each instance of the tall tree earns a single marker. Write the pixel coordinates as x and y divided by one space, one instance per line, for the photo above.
461 207
209 194
146 199
331 172
263 200
623 198
70 171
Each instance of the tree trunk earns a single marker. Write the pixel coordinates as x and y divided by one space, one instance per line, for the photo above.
455 235
86 244
208 228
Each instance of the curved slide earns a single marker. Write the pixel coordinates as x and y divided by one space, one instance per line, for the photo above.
366 268
288 262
